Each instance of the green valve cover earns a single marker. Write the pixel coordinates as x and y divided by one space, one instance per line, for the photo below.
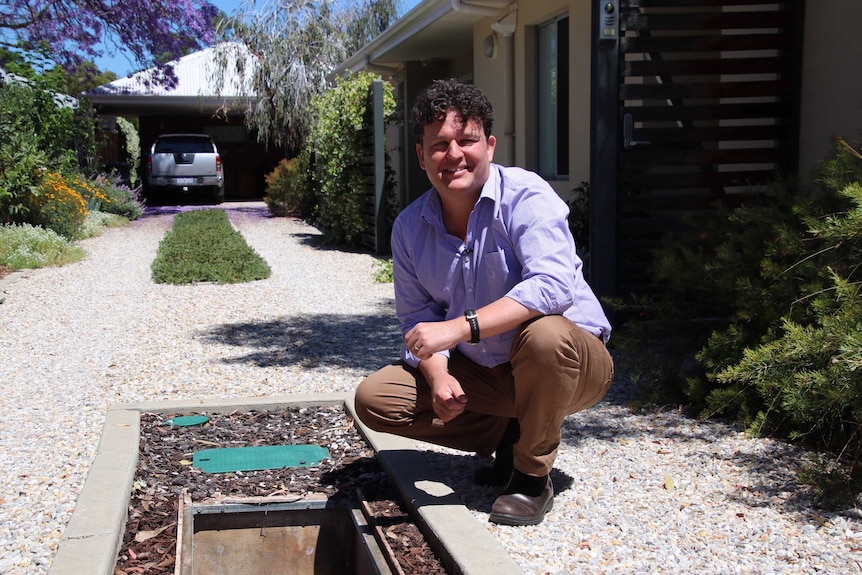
228 459
187 420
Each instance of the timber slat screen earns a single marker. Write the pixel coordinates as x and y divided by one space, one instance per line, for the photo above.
708 93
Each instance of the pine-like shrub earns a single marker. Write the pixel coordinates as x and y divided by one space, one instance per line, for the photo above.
761 318
807 370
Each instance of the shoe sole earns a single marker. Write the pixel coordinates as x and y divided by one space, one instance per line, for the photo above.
519 521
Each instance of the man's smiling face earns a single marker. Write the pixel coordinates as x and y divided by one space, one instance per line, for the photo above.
456 155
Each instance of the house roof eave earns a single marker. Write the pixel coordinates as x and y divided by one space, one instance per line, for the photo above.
432 30
129 105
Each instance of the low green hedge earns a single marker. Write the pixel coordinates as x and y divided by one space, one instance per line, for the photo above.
202 246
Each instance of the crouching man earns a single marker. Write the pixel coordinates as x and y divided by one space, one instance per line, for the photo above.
503 338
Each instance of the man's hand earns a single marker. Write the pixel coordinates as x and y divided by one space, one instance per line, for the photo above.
447 397
426 339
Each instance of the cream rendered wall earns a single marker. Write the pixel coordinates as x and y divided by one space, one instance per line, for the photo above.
530 15
494 76
831 79
507 79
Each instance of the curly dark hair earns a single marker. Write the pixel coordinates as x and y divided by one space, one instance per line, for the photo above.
443 96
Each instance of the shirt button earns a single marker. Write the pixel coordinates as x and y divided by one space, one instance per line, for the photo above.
469 290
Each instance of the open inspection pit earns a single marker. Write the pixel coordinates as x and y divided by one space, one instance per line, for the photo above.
94 534
308 536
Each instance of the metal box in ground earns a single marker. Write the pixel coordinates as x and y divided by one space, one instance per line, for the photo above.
309 536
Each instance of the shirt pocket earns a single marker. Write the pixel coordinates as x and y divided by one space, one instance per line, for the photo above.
496 274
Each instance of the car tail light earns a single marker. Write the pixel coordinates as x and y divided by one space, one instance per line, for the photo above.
218 164
150 164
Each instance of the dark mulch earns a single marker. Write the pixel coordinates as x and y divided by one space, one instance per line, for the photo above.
165 471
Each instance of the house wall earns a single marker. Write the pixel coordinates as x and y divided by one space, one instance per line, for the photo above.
508 79
831 79
831 101
494 74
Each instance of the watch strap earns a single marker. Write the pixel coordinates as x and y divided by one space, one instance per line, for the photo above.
473 320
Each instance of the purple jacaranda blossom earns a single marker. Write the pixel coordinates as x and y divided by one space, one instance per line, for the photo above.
71 31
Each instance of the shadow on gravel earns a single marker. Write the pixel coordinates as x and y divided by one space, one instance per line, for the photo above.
773 478
316 241
365 342
458 472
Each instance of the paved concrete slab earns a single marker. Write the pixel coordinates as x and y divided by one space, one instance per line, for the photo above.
94 534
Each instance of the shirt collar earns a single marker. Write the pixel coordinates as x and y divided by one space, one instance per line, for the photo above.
491 189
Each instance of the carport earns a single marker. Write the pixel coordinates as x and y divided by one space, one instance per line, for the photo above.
195 105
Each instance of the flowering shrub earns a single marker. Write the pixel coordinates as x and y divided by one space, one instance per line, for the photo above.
61 203
36 134
114 197
23 246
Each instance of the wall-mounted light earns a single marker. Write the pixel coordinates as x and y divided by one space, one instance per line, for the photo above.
489 46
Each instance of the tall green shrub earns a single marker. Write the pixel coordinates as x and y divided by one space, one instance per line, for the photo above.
37 134
22 163
337 144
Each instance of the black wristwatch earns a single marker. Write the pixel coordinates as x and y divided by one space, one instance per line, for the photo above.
473 320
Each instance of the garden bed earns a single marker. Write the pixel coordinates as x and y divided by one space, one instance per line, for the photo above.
165 471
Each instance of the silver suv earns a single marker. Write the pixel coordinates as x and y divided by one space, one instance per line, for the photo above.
185 164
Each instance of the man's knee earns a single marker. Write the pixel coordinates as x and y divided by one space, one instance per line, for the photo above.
368 405
544 340
383 402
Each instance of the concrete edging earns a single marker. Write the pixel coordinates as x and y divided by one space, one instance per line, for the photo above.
93 536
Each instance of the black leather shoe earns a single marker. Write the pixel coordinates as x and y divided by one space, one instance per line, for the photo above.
504 459
525 501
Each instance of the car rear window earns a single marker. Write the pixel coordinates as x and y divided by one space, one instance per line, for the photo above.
184 145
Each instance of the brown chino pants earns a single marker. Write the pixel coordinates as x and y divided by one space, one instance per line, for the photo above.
556 369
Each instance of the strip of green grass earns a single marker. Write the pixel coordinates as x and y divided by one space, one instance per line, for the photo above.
202 246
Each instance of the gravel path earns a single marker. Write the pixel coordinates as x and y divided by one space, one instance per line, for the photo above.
78 338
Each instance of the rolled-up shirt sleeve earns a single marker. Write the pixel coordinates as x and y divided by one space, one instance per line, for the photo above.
546 251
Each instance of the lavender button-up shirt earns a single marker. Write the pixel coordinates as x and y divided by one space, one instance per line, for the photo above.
518 246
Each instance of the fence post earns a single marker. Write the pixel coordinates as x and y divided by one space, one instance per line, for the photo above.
381 237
